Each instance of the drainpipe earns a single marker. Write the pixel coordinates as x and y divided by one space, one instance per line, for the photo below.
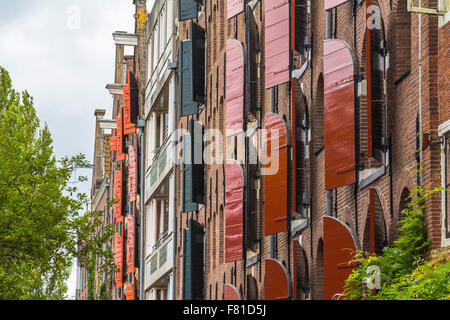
420 99
357 164
141 126
272 237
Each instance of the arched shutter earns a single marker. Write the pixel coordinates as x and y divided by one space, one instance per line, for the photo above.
329 4
277 42
339 114
230 292
339 246
235 78
234 211
275 179
277 281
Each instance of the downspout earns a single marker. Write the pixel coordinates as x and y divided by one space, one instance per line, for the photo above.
357 164
141 127
174 241
420 100
311 96
272 236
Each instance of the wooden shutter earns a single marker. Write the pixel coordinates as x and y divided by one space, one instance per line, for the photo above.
193 246
188 204
252 63
198 38
339 246
235 78
277 42
230 292
132 174
187 9
276 185
277 281
118 253
234 211
118 192
330 4
339 114
120 138
130 104
130 244
188 105
198 168
234 7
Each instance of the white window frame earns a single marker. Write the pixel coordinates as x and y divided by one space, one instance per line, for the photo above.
444 129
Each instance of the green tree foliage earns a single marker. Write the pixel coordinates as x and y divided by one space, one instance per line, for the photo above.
407 272
42 219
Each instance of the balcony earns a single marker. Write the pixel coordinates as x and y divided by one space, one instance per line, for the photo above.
160 262
160 169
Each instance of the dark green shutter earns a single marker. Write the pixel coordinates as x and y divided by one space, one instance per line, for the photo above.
193 261
188 105
198 37
187 9
134 98
188 204
187 279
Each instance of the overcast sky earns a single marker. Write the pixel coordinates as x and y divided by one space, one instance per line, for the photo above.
63 53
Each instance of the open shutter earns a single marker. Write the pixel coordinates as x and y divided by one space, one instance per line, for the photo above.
188 204
187 9
339 114
198 38
230 292
276 175
120 138
130 104
130 244
132 174
118 192
188 105
234 7
277 281
339 246
234 211
235 78
198 168
277 42
118 256
329 4
193 246
113 144
252 63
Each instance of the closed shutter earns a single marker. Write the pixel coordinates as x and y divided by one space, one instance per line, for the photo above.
339 246
234 7
277 281
230 292
329 4
277 42
235 78
198 38
339 114
193 261
188 105
234 211
275 175
187 9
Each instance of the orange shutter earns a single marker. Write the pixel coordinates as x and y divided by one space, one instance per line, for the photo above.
277 281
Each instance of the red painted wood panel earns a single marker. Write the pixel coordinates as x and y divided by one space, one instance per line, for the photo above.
277 282
234 7
230 292
234 211
277 42
130 244
118 257
339 246
235 78
275 185
118 192
129 290
339 114
129 126
119 121
132 174
329 4
113 144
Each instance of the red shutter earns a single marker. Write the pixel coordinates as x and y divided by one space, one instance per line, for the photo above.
230 292
235 78
129 290
118 257
234 211
118 192
277 42
339 114
130 104
329 4
113 143
275 185
130 244
339 246
119 119
132 174
277 282
234 7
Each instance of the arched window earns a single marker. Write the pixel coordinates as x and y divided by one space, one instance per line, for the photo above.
318 273
381 239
